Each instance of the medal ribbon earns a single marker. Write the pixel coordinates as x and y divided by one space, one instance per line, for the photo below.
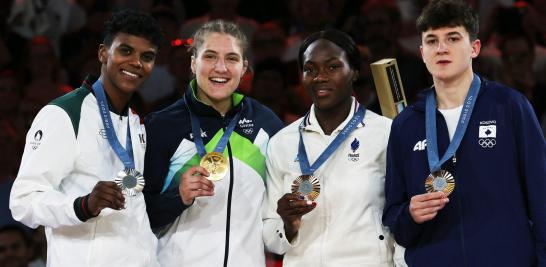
434 162
307 169
196 130
125 155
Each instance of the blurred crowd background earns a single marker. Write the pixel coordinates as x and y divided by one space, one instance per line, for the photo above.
47 47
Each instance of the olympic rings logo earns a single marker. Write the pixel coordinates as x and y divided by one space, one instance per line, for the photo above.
487 142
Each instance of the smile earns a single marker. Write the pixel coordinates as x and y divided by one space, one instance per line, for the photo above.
218 80
129 74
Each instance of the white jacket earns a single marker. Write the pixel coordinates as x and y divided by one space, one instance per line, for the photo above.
66 154
345 227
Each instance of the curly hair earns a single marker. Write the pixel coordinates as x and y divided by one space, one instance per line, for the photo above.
133 23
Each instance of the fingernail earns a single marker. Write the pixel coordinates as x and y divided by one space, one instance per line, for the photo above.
309 202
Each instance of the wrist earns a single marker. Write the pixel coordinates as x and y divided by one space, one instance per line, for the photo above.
81 208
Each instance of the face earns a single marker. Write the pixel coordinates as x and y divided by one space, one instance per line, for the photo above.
448 52
127 63
13 250
327 75
218 66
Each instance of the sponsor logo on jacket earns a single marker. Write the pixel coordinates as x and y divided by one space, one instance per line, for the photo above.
355 144
203 134
487 134
246 125
37 139
420 145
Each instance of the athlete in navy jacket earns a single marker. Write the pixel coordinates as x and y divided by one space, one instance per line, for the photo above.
496 213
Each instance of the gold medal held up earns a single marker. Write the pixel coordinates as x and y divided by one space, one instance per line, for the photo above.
440 180
307 186
216 164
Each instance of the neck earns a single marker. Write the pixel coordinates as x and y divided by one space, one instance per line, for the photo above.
330 119
222 106
118 99
452 93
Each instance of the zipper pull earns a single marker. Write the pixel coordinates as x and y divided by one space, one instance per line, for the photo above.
454 159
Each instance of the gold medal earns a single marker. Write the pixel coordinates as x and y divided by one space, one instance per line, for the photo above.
216 164
130 181
307 186
440 180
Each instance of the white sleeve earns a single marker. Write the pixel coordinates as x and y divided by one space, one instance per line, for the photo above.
49 156
273 232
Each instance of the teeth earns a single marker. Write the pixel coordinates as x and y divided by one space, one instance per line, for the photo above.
129 73
219 80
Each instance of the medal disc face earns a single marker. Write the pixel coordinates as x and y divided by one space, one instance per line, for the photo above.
440 180
130 181
216 164
307 186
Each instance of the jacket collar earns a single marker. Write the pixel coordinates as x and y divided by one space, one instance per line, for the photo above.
420 104
90 79
310 122
200 108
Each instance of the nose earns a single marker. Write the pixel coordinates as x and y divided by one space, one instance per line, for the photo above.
321 76
442 47
137 63
220 65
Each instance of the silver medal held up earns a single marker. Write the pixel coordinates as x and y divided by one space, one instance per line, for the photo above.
130 181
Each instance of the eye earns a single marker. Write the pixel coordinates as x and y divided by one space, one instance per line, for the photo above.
453 39
333 67
125 51
209 56
233 59
431 41
148 57
308 70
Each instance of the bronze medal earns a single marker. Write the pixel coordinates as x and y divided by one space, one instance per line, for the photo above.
307 186
440 180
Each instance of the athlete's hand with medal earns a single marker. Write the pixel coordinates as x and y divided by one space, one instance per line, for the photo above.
291 207
105 195
425 207
194 183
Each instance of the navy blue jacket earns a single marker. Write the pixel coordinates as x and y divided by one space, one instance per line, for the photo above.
496 215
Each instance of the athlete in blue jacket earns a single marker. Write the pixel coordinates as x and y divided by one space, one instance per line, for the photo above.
485 203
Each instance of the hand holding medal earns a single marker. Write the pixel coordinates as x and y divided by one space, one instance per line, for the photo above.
195 183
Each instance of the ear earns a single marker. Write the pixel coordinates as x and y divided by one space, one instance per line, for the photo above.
193 64
103 54
476 48
355 75
421 51
245 68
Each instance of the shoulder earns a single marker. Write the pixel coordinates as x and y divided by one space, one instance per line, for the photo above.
71 104
287 133
263 115
376 120
168 116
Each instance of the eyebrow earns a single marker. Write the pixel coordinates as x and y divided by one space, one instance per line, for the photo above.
327 60
431 35
152 50
228 54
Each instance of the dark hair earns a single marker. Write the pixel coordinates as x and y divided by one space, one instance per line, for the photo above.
17 229
133 23
448 13
341 39
218 26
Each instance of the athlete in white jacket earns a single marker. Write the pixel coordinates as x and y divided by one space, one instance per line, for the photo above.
342 226
66 178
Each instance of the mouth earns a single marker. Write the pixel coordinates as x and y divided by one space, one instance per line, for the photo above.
218 80
130 74
443 62
322 92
